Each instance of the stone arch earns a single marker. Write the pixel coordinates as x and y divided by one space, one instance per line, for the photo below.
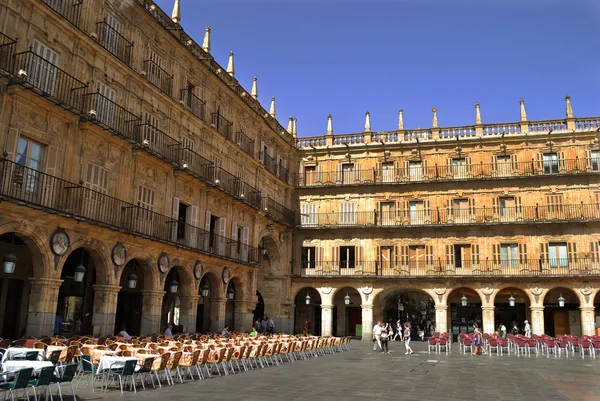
187 285
578 295
473 288
37 245
215 283
307 312
273 249
100 257
241 290
144 263
531 297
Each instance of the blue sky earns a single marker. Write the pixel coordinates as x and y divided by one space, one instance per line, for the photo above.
345 57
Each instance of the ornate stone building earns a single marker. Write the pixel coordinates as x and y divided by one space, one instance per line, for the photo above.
140 183
487 223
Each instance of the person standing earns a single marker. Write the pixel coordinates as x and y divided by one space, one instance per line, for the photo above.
57 324
527 329
377 336
398 330
407 339
271 326
502 330
384 339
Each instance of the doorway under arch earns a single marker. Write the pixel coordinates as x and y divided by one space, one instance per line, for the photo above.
561 312
259 311
347 313
130 298
408 305
464 309
511 306
307 308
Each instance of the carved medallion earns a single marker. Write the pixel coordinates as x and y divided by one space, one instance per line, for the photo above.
487 289
60 242
366 288
119 254
586 288
536 289
326 288
439 289
226 275
164 263
198 270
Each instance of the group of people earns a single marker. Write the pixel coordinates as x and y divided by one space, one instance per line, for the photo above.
501 331
382 333
266 325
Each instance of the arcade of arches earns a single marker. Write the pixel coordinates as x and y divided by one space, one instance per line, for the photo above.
107 285
351 307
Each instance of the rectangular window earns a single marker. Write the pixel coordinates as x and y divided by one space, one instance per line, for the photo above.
347 213
29 155
309 254
308 212
417 256
386 257
506 206
415 170
347 257
460 210
144 217
554 205
459 167
155 74
595 160
417 212
557 253
310 175
96 180
44 68
150 129
187 143
189 97
146 198
462 256
550 163
387 212
106 104
503 166
347 173
387 171
509 255
111 34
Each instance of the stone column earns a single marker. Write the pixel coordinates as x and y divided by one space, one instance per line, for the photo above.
326 320
441 318
42 306
537 320
105 309
587 320
367 322
218 307
151 311
487 314
188 308
242 317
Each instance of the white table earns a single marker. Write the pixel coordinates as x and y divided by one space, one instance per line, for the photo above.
21 352
115 361
13 366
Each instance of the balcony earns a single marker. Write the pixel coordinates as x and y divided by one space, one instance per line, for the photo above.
8 47
222 125
481 171
444 268
116 44
45 78
277 211
454 217
244 142
68 9
158 143
268 162
109 115
282 173
193 103
232 185
158 77
23 185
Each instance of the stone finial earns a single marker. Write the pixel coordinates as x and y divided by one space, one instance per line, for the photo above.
477 114
569 108
290 127
272 110
294 128
367 122
523 112
230 65
206 42
400 120
254 92
329 125
176 15
434 122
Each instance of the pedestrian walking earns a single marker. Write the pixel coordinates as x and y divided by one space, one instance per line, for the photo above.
398 331
527 329
384 340
407 339
377 336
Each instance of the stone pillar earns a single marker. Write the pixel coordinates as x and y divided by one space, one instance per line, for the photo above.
105 309
537 320
188 308
587 320
367 322
326 320
42 306
151 312
487 314
242 317
441 318
218 308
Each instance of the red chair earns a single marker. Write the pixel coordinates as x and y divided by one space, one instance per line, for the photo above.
467 342
532 345
433 342
504 345
493 345
521 346
586 346
563 345
551 347
443 343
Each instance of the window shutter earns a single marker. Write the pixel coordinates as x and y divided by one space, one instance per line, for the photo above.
496 253
378 172
572 250
561 161
319 174
523 254
11 144
427 211
357 172
222 226
234 239
262 152
358 262
450 254
52 160
449 170
404 254
495 205
336 255
277 163
515 163
472 206
494 164
396 255
469 166
193 228
429 254
544 252
175 218
594 251
338 173
207 231
425 168
475 254
539 168
588 160
406 169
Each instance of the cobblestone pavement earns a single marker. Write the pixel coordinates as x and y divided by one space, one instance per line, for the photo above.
362 374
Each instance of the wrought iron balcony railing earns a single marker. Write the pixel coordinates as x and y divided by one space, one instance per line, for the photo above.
158 143
68 9
277 211
158 77
222 125
116 44
437 173
42 76
282 173
232 185
193 103
102 111
33 188
244 142
576 266
449 217
268 162
8 48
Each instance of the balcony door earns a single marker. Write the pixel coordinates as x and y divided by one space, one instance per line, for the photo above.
387 213
460 210
347 257
459 168
44 68
347 173
503 166
550 161
106 104
415 170
387 172
26 177
386 257
111 33
417 212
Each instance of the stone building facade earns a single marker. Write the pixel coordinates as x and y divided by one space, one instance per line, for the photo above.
443 227
141 184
